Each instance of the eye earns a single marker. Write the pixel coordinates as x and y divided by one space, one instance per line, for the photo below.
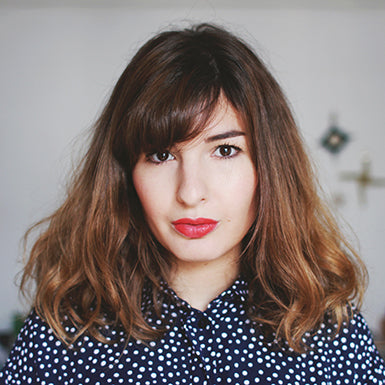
226 151
160 156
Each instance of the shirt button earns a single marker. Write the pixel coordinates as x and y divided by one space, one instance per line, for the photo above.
203 323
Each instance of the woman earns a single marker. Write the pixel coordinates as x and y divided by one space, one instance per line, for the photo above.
192 246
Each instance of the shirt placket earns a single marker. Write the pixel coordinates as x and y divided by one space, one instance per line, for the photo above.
198 327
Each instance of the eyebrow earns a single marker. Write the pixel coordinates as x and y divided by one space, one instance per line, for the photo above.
225 135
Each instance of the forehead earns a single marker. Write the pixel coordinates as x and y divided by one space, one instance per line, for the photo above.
224 123
224 117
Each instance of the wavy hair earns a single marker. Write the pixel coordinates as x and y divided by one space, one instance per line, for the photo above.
96 254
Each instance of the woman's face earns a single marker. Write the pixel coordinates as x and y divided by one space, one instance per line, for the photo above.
199 196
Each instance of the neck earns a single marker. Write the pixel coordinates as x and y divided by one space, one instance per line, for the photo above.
200 282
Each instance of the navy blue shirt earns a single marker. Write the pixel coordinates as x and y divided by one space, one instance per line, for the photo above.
218 346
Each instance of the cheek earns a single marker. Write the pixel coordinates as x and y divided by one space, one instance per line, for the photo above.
151 194
247 195
142 188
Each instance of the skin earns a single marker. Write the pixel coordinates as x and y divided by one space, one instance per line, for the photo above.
211 176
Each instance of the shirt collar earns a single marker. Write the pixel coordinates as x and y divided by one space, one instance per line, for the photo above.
174 309
237 292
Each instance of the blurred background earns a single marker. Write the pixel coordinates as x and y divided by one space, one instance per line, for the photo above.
60 59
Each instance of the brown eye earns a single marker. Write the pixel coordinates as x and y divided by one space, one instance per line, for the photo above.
227 151
160 156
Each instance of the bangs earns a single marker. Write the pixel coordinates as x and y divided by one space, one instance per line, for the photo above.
172 115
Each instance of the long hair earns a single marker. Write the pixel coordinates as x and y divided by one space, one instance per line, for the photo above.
97 254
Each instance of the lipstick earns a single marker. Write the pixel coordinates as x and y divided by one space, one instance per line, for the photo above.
194 227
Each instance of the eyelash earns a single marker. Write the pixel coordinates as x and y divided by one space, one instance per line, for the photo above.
236 149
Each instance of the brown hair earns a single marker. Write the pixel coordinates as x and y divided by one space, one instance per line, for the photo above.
97 254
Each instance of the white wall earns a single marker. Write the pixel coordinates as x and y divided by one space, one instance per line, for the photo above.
58 65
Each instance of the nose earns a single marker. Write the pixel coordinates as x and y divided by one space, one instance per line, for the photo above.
191 183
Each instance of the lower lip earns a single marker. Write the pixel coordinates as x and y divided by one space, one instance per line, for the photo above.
195 231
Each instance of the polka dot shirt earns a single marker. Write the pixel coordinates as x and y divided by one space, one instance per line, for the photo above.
218 346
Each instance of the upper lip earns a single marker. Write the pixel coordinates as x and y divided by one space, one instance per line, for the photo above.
194 221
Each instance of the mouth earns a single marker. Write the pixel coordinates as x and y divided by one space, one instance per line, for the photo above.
194 228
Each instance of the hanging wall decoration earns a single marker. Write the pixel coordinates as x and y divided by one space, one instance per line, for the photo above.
335 138
363 178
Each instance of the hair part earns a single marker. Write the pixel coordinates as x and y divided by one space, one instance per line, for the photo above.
93 261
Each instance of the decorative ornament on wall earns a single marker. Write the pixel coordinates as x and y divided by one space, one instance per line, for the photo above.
363 178
335 139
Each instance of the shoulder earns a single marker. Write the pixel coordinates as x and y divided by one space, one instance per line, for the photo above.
34 340
354 332
40 356
33 331
350 351
356 337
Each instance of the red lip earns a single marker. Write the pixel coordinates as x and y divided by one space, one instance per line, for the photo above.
194 227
